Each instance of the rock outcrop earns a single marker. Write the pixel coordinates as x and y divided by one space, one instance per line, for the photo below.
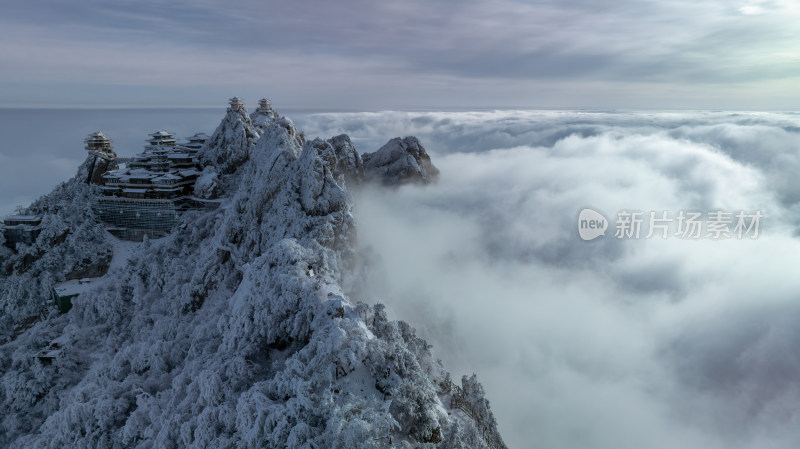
400 161
207 185
230 145
348 161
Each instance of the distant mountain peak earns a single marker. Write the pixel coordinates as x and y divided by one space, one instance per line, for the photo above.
400 161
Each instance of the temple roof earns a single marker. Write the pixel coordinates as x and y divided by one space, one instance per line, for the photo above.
161 133
23 218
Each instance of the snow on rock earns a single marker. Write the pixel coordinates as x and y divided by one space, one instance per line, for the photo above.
400 161
348 161
287 124
230 145
207 184
231 332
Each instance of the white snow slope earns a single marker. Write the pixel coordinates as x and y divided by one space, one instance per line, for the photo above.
235 331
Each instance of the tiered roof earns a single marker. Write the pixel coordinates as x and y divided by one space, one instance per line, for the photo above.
236 103
22 220
99 145
264 104
164 170
195 142
98 141
161 138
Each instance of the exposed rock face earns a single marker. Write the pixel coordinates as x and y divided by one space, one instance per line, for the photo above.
348 161
231 332
96 164
90 267
400 161
207 184
287 124
230 145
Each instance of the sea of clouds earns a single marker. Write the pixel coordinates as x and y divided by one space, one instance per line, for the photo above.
612 343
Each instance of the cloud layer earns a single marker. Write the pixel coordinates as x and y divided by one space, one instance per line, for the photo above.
611 343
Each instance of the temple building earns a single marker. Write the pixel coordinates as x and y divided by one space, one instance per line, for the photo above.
146 196
97 142
185 154
164 170
236 104
195 143
263 115
21 229
264 105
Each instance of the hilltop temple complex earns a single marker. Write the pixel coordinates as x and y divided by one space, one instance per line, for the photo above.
164 170
144 194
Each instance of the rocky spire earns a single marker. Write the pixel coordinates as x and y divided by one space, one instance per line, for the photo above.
400 161
348 161
230 145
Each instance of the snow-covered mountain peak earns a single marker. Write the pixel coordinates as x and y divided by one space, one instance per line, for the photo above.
234 331
231 142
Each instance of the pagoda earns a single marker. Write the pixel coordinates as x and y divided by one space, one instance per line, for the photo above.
97 143
164 170
264 105
263 115
236 104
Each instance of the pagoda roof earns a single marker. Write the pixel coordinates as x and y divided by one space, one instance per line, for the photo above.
168 189
161 133
97 135
167 176
188 172
141 173
23 217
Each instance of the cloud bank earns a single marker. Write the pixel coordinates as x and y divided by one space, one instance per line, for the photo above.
610 343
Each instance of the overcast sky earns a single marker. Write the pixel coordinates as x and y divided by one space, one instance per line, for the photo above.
357 54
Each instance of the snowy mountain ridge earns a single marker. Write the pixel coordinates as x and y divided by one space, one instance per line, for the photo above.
236 330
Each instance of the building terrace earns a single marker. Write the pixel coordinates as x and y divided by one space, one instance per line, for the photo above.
21 229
